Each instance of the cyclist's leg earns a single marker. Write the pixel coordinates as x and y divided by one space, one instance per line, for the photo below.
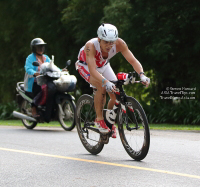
109 74
99 98
111 102
100 94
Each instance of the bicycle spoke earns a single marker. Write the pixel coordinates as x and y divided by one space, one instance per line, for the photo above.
83 116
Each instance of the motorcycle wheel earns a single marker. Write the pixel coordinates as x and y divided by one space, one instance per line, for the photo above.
67 121
26 109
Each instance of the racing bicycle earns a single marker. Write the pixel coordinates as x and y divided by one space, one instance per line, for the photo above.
127 112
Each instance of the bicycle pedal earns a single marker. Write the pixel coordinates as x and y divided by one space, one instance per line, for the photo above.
90 123
104 139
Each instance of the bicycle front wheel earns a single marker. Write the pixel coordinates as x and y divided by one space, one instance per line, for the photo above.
134 129
85 113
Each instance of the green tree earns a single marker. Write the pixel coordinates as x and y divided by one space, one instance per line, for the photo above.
20 22
82 18
164 37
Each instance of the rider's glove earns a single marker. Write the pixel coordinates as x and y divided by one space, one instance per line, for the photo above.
145 79
109 86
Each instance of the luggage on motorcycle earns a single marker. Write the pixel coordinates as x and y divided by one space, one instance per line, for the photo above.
66 83
42 79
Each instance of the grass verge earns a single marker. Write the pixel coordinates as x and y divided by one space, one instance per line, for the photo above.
182 127
152 126
19 123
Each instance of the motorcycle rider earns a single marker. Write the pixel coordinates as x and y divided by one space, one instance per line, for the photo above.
93 65
32 89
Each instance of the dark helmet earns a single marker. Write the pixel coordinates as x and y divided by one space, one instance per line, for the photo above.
35 42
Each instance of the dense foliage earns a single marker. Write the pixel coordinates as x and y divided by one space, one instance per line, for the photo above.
163 35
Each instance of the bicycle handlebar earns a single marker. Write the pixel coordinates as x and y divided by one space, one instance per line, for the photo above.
131 79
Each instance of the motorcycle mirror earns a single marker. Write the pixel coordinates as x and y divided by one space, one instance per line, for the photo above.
36 63
68 63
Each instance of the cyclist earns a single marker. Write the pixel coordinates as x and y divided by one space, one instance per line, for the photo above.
93 65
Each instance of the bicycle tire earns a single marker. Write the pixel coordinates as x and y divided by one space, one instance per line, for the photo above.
25 108
68 120
90 139
135 142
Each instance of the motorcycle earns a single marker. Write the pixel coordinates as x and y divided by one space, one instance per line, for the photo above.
64 108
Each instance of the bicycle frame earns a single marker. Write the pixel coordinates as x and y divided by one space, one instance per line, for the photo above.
120 100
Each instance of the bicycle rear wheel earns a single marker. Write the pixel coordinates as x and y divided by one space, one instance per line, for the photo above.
85 113
134 129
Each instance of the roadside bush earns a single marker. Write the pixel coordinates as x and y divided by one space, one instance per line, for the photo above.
7 109
185 112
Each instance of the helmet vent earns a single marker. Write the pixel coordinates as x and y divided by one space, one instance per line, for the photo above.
105 32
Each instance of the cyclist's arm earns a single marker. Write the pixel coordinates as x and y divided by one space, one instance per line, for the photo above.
128 55
90 59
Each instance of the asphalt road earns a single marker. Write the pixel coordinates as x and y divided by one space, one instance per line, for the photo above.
53 157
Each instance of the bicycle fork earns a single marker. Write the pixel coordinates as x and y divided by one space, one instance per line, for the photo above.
125 105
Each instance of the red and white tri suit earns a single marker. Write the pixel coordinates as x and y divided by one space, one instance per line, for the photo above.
103 65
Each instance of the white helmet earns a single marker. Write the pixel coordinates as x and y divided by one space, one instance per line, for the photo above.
107 32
